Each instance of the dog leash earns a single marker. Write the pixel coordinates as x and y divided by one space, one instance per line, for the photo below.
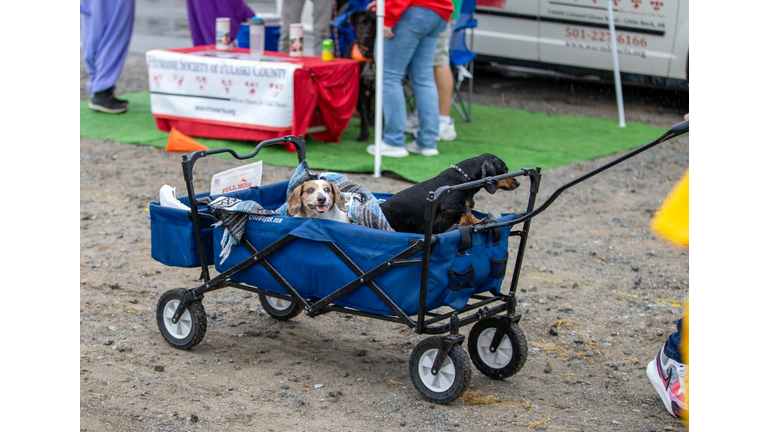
461 171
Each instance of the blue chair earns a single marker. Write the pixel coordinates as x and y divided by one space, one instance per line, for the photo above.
463 58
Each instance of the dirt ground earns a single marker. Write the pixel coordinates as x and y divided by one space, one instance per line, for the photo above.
599 293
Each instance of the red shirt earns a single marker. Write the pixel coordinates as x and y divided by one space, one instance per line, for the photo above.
393 9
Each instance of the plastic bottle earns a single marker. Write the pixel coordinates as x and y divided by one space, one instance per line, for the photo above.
257 30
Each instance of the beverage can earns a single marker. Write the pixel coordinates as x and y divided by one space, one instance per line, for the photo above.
257 30
223 29
296 39
328 50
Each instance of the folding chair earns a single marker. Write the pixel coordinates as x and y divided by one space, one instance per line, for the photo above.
462 57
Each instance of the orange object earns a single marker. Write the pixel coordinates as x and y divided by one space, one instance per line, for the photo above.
177 141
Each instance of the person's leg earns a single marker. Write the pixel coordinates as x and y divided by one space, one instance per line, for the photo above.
444 82
443 74
107 37
421 72
669 375
672 347
321 23
291 14
398 52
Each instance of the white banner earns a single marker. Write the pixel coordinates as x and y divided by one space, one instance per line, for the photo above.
221 87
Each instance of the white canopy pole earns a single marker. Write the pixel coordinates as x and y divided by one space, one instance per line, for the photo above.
379 85
616 73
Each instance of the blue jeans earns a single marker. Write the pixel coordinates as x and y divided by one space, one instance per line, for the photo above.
672 347
412 50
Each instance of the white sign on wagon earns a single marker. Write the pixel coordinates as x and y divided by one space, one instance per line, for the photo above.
204 86
242 177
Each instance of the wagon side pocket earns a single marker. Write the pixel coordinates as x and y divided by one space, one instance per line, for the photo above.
457 281
499 266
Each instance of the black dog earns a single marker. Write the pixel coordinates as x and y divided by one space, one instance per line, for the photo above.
405 211
361 49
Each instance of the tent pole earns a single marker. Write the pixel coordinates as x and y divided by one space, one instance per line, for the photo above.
379 85
616 73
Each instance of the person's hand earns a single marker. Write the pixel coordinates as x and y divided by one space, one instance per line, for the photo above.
388 33
371 6
686 116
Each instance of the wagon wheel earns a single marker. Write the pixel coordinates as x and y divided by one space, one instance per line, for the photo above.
451 380
279 309
190 329
507 359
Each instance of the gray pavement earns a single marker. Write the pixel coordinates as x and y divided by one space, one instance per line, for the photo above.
163 24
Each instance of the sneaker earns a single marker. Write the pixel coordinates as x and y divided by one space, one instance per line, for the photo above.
670 379
105 101
388 150
413 147
447 132
412 123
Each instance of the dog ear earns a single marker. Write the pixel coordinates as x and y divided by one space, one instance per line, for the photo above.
294 201
339 198
488 170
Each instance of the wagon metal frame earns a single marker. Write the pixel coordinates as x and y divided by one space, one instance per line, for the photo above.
439 366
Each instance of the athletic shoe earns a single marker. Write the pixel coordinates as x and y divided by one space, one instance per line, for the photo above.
412 123
670 379
388 150
105 101
447 132
415 148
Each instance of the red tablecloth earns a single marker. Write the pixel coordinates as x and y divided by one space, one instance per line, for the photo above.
325 95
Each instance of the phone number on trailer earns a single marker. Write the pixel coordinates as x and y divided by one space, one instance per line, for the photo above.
605 36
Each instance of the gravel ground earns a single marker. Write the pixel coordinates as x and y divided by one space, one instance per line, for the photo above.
599 294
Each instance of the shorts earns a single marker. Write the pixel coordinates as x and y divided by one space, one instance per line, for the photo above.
442 54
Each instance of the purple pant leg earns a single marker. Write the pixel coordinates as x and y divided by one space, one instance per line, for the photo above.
202 16
106 30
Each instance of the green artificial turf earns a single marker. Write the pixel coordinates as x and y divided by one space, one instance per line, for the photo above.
521 138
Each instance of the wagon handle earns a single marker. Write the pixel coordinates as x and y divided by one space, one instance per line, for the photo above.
673 132
298 142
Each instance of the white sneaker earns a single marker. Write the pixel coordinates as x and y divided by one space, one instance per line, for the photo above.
447 132
412 122
414 148
388 150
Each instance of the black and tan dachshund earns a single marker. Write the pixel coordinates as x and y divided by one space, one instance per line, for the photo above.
361 49
405 211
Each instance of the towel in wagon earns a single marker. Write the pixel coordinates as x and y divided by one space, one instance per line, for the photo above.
362 207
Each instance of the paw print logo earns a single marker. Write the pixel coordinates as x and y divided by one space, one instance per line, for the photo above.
251 86
657 5
227 84
178 79
201 81
157 78
276 89
637 3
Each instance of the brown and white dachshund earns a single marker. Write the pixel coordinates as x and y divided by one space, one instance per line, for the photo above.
318 199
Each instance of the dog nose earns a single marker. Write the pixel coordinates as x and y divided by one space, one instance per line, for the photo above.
321 200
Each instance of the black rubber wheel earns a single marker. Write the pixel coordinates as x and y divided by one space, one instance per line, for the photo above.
510 356
450 382
190 329
279 309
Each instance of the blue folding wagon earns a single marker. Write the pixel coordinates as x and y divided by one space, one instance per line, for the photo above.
433 283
